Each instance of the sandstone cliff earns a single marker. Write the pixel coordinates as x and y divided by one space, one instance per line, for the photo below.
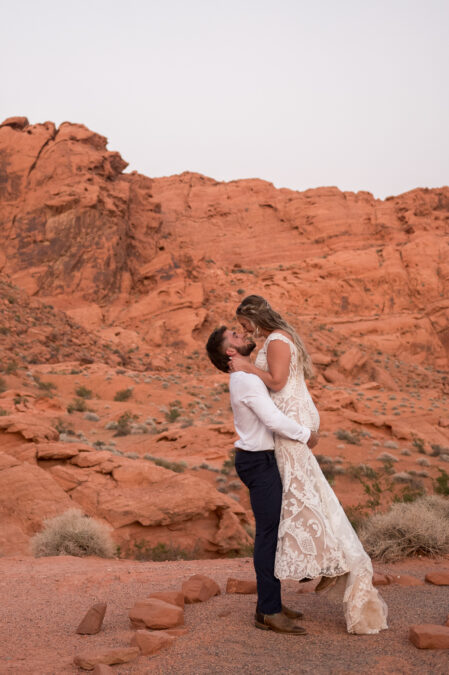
111 281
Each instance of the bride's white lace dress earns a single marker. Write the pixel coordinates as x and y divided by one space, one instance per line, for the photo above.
315 536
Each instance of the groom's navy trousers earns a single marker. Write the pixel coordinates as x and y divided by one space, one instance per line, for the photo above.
259 472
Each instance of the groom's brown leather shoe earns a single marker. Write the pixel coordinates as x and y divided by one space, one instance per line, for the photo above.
278 623
292 613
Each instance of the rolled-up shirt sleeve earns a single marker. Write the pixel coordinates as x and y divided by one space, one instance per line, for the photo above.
259 401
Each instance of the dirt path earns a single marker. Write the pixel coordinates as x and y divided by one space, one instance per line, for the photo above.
42 602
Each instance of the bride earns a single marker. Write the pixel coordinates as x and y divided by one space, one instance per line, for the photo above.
315 537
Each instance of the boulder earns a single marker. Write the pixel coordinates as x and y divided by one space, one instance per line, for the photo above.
156 614
171 597
93 620
15 122
440 578
243 586
429 636
31 426
56 450
405 580
28 495
88 459
150 642
176 632
90 658
381 579
102 669
199 588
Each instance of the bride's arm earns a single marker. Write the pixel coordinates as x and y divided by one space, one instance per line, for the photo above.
278 358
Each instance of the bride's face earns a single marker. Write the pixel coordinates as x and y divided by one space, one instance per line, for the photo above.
247 325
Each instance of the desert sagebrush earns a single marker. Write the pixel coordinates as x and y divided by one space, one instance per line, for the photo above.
408 529
73 533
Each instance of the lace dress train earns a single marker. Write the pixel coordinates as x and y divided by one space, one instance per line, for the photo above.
315 536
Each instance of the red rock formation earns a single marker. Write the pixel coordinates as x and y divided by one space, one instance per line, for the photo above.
123 248
105 273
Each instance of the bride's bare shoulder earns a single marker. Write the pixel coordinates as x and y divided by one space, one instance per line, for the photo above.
281 332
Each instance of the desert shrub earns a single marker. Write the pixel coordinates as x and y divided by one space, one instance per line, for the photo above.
177 467
408 529
347 436
441 484
73 533
123 427
172 415
83 392
77 405
3 386
123 394
3 412
45 386
419 445
11 367
159 553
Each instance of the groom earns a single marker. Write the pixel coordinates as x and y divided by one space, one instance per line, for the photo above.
255 419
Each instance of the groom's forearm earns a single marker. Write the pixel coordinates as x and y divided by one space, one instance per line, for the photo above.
276 421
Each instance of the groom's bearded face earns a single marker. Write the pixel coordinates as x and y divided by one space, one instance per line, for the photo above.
245 350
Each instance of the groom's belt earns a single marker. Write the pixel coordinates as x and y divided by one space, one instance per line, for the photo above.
253 452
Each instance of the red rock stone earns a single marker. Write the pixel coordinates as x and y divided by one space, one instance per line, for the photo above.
56 450
102 669
87 459
89 659
172 597
150 642
93 620
243 586
15 122
405 580
380 579
438 578
199 588
429 636
176 632
156 614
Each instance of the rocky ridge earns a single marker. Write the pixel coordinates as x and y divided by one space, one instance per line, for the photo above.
109 284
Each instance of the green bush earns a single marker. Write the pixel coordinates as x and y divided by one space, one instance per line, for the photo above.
441 484
73 533
123 394
11 367
124 424
172 415
77 405
83 392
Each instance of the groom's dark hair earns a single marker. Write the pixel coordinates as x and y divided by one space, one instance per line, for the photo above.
215 351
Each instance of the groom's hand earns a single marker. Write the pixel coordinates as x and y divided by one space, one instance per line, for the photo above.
314 438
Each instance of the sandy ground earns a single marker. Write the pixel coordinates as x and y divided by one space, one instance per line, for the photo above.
42 602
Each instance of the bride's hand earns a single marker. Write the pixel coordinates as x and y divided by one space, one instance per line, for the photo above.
237 362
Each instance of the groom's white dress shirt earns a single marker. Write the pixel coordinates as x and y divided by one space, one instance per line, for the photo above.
256 417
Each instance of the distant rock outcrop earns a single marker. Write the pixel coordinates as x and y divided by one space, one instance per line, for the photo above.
110 247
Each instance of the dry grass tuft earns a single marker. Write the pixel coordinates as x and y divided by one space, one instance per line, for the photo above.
408 529
73 533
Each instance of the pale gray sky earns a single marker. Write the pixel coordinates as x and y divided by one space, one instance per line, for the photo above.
352 93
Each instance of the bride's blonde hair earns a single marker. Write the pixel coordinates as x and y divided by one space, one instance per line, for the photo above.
257 310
